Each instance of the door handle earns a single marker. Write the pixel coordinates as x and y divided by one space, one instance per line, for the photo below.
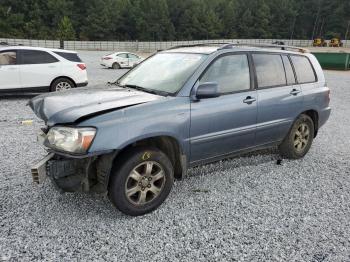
295 92
249 100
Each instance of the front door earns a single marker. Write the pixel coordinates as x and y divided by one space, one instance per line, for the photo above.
225 124
9 70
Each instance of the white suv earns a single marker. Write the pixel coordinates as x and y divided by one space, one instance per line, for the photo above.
35 69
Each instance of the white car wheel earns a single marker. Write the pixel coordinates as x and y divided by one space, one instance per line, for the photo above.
61 84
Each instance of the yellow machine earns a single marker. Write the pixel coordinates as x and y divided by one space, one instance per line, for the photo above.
335 42
319 42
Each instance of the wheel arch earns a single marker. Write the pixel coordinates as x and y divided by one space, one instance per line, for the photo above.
313 114
116 62
168 145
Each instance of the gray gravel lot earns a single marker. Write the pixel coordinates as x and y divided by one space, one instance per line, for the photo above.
246 208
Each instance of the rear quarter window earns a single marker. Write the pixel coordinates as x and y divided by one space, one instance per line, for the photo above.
303 69
73 57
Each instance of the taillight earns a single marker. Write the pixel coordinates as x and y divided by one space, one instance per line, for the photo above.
107 58
82 66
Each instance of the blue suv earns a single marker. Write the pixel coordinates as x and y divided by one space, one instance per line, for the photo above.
180 108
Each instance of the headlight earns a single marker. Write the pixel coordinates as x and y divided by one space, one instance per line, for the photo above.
74 140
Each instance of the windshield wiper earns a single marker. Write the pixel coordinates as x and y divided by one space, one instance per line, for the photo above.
151 91
114 83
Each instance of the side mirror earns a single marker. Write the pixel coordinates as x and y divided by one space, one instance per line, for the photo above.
207 90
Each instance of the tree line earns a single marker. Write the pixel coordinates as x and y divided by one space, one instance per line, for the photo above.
166 20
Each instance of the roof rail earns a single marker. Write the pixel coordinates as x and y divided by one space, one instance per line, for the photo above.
194 45
282 47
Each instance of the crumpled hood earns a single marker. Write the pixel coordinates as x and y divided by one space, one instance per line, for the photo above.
69 106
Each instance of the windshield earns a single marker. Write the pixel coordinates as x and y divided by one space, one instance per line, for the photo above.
164 72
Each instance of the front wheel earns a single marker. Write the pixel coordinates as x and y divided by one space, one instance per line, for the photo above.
142 182
299 139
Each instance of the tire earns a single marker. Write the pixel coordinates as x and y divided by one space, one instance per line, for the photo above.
61 84
116 66
142 184
299 139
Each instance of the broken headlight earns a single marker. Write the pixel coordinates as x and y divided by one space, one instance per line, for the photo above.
70 139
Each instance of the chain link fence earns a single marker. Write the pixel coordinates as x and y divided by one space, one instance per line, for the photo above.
137 46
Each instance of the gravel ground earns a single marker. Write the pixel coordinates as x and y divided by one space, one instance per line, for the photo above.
246 208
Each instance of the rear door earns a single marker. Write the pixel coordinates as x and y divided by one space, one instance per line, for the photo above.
133 60
9 70
123 60
38 68
225 124
280 97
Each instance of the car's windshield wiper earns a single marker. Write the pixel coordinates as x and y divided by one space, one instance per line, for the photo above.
151 91
113 83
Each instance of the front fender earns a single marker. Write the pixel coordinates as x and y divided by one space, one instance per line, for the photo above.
118 129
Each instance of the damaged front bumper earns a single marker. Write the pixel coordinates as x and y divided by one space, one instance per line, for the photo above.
38 170
87 174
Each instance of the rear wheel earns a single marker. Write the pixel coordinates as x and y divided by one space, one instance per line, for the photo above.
142 182
61 84
299 139
116 66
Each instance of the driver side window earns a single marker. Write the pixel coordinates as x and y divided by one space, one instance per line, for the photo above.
230 72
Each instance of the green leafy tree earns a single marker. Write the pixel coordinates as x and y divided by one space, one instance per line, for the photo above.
100 21
155 20
253 19
154 23
228 13
65 29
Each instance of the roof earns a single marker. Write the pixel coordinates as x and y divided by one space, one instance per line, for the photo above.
19 47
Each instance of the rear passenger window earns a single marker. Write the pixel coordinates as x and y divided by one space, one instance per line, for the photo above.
230 72
73 57
269 70
289 70
132 56
30 57
123 55
303 69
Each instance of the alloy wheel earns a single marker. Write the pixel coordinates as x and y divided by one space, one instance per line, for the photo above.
145 183
63 86
301 137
